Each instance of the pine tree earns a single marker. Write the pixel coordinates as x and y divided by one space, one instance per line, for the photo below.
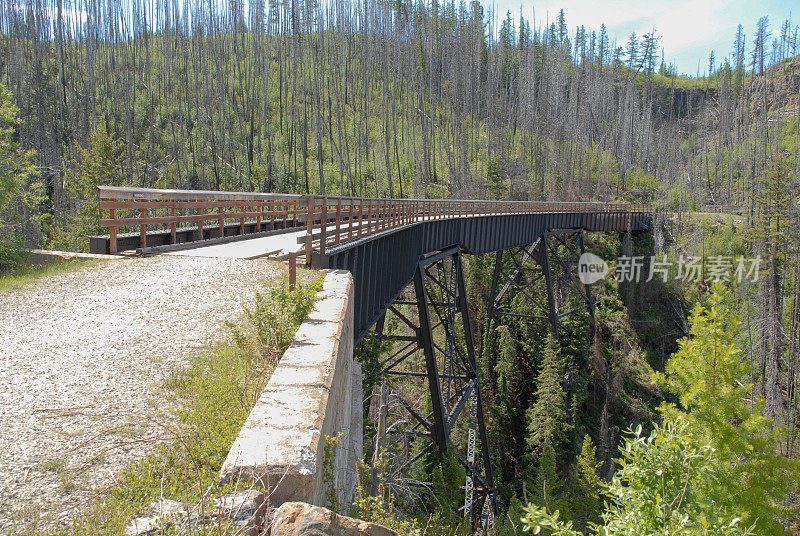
759 46
631 52
772 235
587 495
548 487
547 418
712 383
101 163
506 359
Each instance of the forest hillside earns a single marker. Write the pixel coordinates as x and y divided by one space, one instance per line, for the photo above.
431 99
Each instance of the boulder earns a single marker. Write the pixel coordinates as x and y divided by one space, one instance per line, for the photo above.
141 526
296 519
163 513
167 507
246 509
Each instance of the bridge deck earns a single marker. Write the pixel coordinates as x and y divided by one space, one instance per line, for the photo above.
380 241
276 246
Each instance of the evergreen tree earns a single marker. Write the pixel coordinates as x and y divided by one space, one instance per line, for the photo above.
631 51
562 26
447 477
506 359
547 418
759 46
548 487
603 46
738 51
587 495
713 386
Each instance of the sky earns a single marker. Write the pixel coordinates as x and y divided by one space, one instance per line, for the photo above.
689 29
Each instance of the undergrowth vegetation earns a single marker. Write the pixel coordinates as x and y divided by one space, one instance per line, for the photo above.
212 398
23 273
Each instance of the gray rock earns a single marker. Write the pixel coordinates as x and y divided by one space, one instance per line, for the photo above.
167 507
243 509
241 505
301 519
162 514
141 526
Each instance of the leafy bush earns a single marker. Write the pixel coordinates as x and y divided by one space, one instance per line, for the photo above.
661 488
100 163
20 192
274 317
12 253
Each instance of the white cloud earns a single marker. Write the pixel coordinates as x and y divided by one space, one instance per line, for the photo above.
689 29
681 23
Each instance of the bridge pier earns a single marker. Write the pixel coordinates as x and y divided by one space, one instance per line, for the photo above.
451 423
430 330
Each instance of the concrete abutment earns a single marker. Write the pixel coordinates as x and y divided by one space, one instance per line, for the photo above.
314 392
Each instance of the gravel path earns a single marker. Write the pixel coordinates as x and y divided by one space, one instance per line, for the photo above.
84 354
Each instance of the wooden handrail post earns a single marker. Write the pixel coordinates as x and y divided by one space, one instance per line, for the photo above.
143 229
173 227
338 220
323 221
351 220
221 218
292 270
309 230
113 234
360 216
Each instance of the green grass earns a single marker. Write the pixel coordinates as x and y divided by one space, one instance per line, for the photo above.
26 273
212 397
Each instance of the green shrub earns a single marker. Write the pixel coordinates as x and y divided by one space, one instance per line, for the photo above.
661 488
12 254
20 192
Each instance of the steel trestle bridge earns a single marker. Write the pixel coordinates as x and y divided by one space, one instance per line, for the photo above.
406 259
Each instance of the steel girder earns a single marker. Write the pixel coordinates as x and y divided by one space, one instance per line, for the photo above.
383 264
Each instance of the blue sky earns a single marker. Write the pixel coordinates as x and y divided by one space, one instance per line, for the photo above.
689 29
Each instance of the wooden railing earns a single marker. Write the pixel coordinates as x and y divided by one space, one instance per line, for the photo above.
328 220
142 207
